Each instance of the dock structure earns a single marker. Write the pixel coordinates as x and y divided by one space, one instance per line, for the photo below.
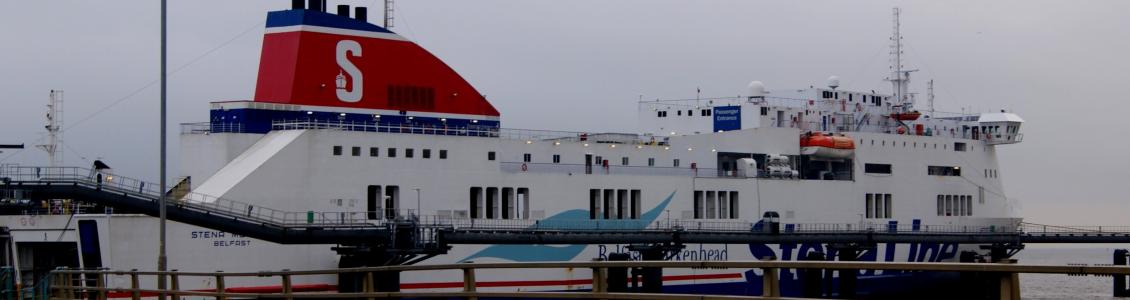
80 283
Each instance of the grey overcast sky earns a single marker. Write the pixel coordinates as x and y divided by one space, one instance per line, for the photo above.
581 65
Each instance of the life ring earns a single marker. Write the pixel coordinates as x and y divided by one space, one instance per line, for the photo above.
524 167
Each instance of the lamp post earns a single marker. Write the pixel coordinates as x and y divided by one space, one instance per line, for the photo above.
162 258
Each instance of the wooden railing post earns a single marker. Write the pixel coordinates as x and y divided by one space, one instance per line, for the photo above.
369 286
220 286
101 285
599 280
287 288
1010 283
174 285
134 285
770 281
469 281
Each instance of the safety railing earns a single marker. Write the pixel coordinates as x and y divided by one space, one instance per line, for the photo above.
95 284
211 127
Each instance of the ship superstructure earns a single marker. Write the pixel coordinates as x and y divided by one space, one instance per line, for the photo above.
351 117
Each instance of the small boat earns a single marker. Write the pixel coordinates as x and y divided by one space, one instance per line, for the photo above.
826 145
906 116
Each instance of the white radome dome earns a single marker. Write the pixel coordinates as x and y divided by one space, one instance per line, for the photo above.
834 81
756 89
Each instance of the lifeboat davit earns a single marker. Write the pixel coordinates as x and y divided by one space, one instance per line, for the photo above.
906 116
826 145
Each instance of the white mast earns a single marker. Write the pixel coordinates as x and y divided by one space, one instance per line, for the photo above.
900 79
930 95
54 129
388 14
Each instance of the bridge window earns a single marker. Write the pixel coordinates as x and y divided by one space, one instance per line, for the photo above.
391 152
356 151
442 154
427 153
374 151
337 150
557 158
943 171
877 168
409 152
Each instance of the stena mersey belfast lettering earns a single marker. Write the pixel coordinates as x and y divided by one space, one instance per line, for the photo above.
351 117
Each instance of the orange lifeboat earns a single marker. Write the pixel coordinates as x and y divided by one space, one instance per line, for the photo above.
826 145
906 116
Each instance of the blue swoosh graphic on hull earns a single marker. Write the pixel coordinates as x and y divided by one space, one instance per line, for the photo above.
570 219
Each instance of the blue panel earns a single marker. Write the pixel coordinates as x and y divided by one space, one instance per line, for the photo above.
317 18
727 118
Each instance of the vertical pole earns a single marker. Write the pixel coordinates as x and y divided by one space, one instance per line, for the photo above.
1010 283
287 288
469 281
599 280
770 281
368 287
134 285
175 285
220 286
162 259
101 283
1120 290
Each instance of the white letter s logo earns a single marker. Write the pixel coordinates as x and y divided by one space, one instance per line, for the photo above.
344 48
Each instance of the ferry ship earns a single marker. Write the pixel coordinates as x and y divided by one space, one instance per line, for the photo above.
351 117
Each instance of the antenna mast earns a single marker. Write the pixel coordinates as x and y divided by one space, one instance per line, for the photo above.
54 129
388 14
930 95
900 79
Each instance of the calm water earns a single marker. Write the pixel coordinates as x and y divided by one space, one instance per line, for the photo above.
1040 286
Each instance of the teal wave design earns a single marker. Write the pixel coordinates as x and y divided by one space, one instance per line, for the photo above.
575 219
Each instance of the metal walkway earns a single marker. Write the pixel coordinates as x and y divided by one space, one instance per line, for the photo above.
434 234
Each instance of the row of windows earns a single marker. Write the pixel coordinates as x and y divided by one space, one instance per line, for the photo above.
690 113
598 160
390 152
943 171
957 146
499 203
614 204
877 100
955 205
715 204
878 206
990 173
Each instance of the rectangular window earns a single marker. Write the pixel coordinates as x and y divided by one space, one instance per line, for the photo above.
764 111
408 152
391 152
870 206
623 208
374 151
733 205
651 162
427 153
609 203
888 211
877 168
968 205
337 150
711 207
636 204
526 157
557 158
624 161
879 206
356 151
675 163
698 204
941 205
442 154
943 171
949 205
476 202
958 146
490 155
594 203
